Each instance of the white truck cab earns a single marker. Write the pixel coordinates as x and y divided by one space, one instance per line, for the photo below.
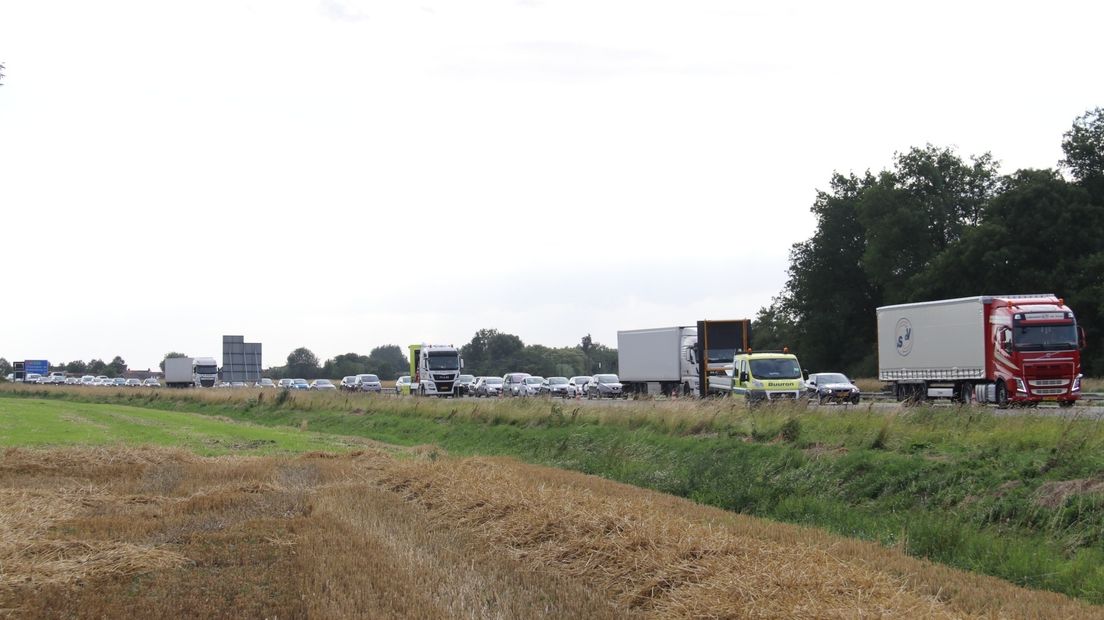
205 372
434 369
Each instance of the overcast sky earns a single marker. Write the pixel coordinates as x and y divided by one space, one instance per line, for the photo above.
346 174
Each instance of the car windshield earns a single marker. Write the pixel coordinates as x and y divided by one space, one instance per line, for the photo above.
1045 337
323 382
534 380
830 377
443 361
403 380
558 381
368 378
299 381
493 381
266 381
781 368
465 378
607 379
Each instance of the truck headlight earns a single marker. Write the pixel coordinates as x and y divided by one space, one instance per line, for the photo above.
1020 387
1076 384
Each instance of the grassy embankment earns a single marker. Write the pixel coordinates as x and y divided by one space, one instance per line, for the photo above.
1015 497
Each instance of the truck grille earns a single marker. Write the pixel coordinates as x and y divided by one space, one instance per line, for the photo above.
1047 382
1049 391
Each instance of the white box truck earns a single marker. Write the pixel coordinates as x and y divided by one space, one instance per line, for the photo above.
191 372
179 372
658 361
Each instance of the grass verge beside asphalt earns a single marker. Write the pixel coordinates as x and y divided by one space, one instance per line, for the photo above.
1021 498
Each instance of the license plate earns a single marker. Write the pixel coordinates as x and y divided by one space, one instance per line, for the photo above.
1050 398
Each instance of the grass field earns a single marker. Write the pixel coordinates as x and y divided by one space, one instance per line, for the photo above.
50 423
1013 497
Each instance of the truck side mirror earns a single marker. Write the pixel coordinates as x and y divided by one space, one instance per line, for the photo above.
743 377
1081 340
1006 340
461 362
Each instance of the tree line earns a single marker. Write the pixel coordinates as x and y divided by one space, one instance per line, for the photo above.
490 352
938 226
116 367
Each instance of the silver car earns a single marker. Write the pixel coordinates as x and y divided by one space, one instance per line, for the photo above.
487 386
512 381
604 386
368 383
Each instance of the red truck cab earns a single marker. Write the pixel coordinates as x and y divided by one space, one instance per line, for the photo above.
1035 352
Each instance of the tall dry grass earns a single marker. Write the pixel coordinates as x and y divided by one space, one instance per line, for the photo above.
370 535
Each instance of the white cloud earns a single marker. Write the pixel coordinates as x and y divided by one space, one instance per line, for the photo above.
344 174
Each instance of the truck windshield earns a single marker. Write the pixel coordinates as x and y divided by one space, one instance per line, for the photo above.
721 356
206 370
443 361
1045 337
775 369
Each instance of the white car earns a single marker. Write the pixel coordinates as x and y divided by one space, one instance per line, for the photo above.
558 386
88 380
322 385
579 384
265 383
403 385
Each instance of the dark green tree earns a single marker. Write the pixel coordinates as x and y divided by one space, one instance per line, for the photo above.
774 328
347 364
491 352
828 305
171 355
5 367
97 367
1083 145
76 367
920 208
118 366
388 362
303 364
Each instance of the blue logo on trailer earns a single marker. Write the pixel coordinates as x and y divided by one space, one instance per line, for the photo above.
41 367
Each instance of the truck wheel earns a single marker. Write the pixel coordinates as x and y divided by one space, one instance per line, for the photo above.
1002 395
962 394
1065 404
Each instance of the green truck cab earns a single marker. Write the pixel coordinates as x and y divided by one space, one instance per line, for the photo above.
767 377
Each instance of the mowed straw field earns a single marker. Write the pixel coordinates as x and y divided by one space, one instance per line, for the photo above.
162 532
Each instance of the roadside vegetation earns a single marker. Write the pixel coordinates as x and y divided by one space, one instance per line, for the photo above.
1020 497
